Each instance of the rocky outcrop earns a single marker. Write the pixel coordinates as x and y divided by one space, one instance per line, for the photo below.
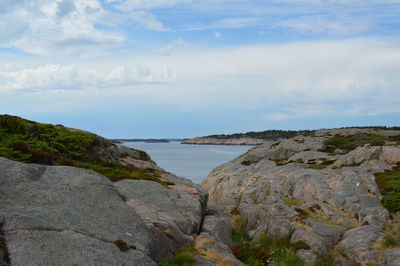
215 141
172 215
329 201
61 214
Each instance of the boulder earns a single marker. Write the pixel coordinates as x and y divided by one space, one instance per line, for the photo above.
61 213
174 215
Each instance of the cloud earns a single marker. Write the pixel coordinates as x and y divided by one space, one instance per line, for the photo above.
145 4
217 35
78 77
45 27
167 50
322 25
227 23
279 82
148 20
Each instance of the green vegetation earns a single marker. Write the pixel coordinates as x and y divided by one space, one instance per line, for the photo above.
348 143
247 162
292 201
265 250
321 165
389 186
31 142
268 134
183 257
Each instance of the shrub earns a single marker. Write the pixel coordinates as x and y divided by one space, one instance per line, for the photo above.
348 143
389 186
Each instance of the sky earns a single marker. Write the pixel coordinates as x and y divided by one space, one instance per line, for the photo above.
185 68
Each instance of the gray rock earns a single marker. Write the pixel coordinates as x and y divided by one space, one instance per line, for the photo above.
275 196
214 251
36 199
33 247
391 258
219 228
172 215
358 241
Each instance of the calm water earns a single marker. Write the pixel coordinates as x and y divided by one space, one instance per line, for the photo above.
194 162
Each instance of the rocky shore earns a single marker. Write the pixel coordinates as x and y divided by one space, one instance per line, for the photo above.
316 193
313 199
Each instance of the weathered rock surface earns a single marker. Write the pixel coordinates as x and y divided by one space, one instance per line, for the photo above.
336 207
215 252
215 141
60 215
174 215
58 202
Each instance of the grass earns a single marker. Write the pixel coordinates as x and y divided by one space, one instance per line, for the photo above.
348 143
183 257
265 250
31 142
321 165
320 218
292 201
389 186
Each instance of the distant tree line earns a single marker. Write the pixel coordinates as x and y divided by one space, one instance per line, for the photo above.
284 134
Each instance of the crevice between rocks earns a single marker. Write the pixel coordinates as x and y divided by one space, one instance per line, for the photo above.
4 255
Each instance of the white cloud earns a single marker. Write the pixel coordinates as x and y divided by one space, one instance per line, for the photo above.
78 77
148 20
145 4
45 27
217 35
227 23
167 50
304 79
319 24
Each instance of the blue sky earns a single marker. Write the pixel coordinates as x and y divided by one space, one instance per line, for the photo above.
183 68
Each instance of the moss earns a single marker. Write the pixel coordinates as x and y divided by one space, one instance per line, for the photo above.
183 257
348 143
316 166
248 162
390 241
292 201
389 186
267 250
328 261
31 142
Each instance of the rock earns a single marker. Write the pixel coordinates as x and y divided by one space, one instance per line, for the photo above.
358 241
391 258
45 205
275 193
215 252
35 247
219 228
386 154
307 256
174 215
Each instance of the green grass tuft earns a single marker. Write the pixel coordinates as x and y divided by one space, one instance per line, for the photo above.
389 186
183 257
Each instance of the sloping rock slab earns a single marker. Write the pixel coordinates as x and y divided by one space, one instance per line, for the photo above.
37 198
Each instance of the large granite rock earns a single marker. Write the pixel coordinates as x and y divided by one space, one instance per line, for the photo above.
174 215
277 190
57 214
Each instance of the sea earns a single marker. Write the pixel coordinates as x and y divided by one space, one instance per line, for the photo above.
193 162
